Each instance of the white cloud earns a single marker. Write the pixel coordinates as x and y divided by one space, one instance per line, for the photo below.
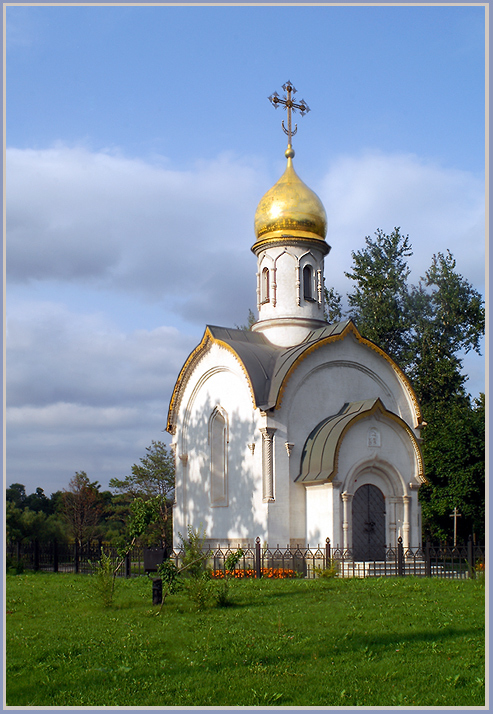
84 394
58 356
122 224
439 208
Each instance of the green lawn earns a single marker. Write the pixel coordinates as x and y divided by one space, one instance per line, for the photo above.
375 642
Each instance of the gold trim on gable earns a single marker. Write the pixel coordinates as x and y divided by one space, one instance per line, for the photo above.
240 361
393 417
350 327
189 365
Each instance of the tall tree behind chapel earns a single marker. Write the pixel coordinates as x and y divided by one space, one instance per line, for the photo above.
425 328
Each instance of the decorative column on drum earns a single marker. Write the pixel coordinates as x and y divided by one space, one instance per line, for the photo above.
268 463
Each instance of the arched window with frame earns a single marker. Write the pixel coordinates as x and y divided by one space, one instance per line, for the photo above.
218 440
265 290
308 283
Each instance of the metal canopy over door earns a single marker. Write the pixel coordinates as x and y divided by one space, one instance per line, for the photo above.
368 523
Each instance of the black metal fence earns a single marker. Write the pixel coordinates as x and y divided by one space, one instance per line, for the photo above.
260 560
443 561
71 558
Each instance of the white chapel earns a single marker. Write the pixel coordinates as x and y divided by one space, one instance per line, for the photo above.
296 430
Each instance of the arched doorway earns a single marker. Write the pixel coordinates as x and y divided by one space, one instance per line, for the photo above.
368 523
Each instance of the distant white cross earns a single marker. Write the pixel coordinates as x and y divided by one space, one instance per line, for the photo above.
455 516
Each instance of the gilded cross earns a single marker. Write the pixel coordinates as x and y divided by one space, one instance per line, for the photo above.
288 103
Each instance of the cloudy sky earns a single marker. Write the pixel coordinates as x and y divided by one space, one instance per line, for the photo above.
139 142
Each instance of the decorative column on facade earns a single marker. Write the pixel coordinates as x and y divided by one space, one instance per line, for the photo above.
347 499
406 525
298 284
268 463
392 500
259 299
319 287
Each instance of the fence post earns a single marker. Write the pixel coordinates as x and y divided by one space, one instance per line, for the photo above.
327 552
400 557
55 555
258 564
470 559
127 565
427 559
36 554
76 555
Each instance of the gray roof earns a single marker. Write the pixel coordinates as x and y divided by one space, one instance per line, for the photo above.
267 367
266 364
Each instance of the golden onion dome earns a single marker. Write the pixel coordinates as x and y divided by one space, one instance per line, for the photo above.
290 209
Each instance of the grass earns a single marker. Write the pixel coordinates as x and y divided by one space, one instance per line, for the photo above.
375 642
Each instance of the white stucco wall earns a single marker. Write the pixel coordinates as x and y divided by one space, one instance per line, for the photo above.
336 373
218 380
340 372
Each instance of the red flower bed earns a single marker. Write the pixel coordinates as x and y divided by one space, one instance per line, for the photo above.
266 573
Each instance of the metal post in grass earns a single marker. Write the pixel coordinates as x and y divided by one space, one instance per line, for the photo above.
258 564
400 557
76 556
157 591
128 563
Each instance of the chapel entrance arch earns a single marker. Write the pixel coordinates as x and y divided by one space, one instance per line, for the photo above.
368 518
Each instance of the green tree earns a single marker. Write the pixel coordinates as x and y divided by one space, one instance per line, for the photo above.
250 321
16 494
379 302
332 305
425 328
454 455
38 501
152 478
24 524
448 317
82 507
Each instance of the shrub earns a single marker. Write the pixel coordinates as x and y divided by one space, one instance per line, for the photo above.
104 578
222 588
329 572
193 548
14 566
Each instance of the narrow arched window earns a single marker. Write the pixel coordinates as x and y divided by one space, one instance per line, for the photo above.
219 458
308 282
265 285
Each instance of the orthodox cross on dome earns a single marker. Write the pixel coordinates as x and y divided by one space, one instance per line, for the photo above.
288 103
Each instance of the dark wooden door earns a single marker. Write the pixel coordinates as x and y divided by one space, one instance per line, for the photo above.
368 523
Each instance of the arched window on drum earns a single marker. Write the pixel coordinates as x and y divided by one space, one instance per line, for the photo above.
265 286
308 283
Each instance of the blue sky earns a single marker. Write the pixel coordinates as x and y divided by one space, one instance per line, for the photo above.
139 142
